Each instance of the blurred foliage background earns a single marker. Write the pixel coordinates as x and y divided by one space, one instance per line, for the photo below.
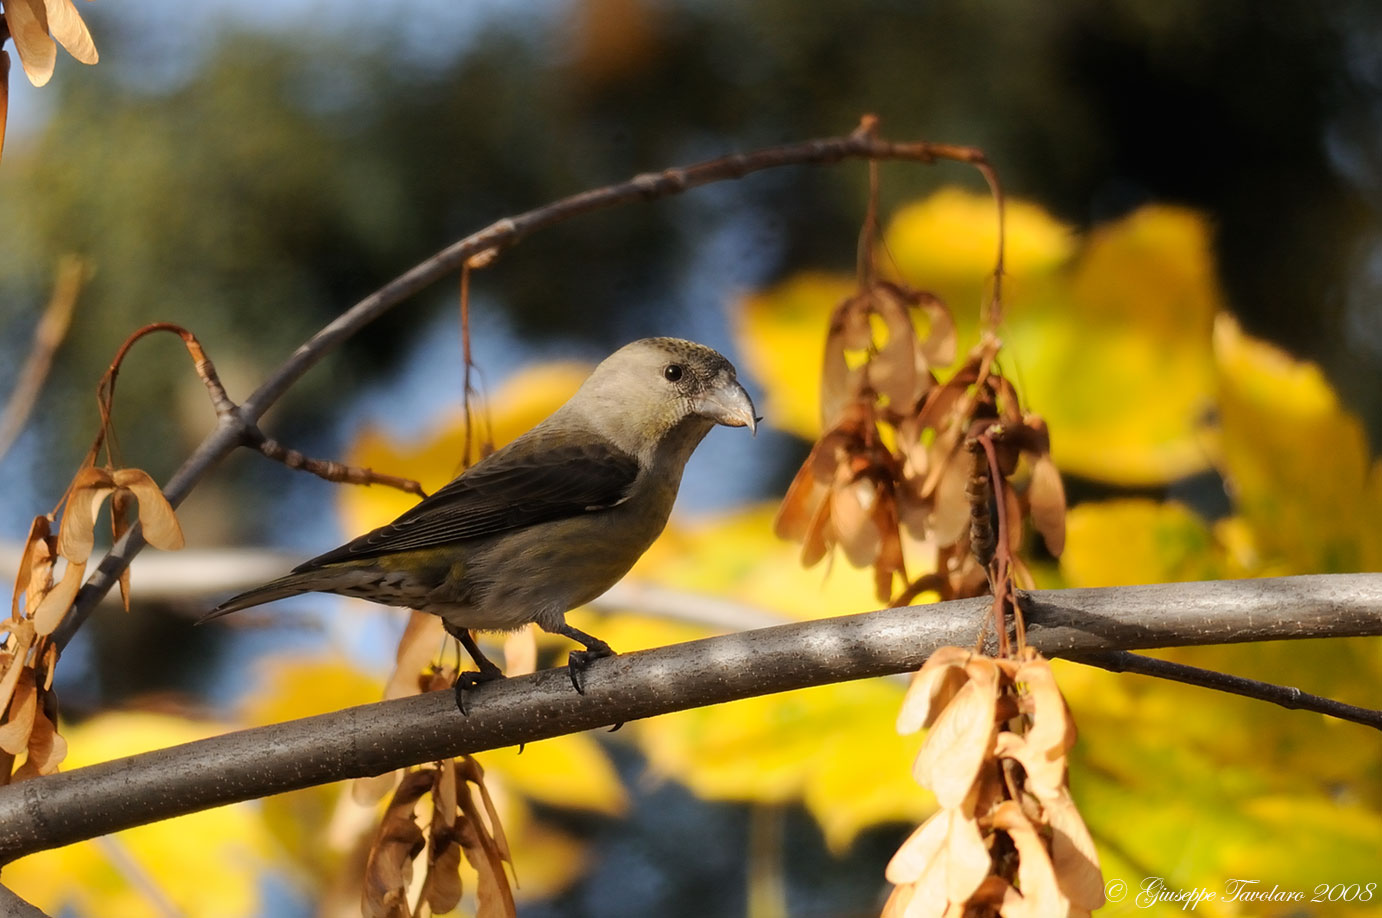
249 173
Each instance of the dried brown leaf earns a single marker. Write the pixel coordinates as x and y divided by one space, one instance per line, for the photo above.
932 688
493 897
441 888
899 901
121 502
1013 510
55 603
940 339
46 748
840 385
470 768
28 23
1041 895
820 536
1008 404
1046 498
76 534
892 372
15 657
66 26
891 562
1053 729
397 843
949 517
961 737
19 719
855 333
1073 856
800 504
161 529
851 512
35 564
945 858
920 850
422 637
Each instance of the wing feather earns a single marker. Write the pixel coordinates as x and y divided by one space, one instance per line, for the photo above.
522 487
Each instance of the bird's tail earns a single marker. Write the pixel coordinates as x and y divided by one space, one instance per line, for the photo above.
282 588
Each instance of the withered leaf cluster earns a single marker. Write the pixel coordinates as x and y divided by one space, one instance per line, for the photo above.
439 813
891 478
28 654
1007 839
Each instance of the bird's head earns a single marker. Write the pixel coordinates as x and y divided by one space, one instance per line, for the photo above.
656 387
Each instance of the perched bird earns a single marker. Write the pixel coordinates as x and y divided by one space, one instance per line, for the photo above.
548 522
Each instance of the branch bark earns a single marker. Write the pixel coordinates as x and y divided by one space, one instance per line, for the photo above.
371 739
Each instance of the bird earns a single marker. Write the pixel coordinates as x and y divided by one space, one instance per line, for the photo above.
549 521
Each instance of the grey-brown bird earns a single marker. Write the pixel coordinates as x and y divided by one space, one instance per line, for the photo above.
550 521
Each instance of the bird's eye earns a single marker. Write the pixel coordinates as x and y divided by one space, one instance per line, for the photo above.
673 372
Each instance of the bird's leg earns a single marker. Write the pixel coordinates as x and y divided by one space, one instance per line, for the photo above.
465 681
579 660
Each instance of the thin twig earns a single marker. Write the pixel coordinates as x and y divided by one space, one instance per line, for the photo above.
230 430
72 275
371 739
329 469
1122 661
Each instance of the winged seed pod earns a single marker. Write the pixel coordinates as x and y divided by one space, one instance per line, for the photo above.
1007 840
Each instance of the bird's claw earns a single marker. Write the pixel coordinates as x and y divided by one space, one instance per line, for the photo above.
580 660
465 681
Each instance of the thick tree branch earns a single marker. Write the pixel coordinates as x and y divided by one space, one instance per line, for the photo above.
370 739
11 906
236 427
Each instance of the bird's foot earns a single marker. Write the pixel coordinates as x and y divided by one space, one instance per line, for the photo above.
468 680
580 660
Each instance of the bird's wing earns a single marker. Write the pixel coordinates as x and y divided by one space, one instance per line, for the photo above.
535 486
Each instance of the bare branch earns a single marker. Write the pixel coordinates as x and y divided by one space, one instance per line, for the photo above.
1121 661
48 336
325 468
371 739
230 431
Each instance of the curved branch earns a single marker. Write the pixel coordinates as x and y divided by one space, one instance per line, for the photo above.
234 426
371 739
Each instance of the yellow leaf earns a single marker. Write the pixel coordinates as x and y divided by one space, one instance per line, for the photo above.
1122 542
289 687
1297 463
832 747
947 243
736 555
1118 362
572 771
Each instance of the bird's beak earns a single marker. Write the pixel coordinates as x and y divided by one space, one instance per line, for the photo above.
726 402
